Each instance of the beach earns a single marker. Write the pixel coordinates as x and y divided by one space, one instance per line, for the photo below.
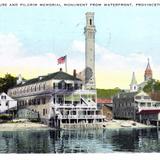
113 124
21 125
125 124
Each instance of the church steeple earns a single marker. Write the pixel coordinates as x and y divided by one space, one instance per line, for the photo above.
148 72
133 85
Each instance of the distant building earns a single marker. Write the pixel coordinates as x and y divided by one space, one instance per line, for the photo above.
134 86
7 104
105 105
136 106
124 106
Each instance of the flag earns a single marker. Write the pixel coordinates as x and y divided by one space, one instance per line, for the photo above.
61 60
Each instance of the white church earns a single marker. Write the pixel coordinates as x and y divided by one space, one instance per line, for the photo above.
134 86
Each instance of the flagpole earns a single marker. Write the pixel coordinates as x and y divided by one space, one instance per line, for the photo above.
66 63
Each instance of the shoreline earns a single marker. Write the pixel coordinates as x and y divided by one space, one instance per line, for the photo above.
17 125
113 124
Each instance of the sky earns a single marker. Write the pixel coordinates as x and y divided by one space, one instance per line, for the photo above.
33 38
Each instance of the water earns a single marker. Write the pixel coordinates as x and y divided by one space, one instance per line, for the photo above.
84 141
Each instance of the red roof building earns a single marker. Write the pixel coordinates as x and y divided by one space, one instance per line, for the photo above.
104 100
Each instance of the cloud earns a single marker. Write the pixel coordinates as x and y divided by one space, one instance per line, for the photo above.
112 69
78 46
14 57
115 69
109 59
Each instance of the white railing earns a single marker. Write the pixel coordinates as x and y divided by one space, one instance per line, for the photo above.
81 91
57 106
148 108
80 116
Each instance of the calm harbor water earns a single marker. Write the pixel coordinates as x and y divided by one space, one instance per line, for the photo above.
83 141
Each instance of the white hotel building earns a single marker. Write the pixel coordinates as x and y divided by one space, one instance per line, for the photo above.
61 98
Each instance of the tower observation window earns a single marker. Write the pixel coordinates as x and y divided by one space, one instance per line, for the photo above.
90 21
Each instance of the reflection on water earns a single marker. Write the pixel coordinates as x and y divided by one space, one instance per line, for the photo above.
84 141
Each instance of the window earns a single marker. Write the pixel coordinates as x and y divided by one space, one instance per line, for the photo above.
90 21
54 85
146 97
43 100
138 97
44 86
76 86
3 97
25 103
34 101
38 101
43 112
35 88
29 102
59 85
39 87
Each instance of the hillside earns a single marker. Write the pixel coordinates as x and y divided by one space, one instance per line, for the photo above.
107 93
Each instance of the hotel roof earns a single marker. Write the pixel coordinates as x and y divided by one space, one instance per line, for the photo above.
57 75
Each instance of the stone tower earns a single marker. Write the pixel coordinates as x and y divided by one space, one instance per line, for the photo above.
89 32
133 85
148 72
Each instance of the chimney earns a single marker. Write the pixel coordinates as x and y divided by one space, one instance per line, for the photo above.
60 70
74 73
19 79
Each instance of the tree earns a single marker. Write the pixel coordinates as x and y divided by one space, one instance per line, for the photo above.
107 93
152 86
7 82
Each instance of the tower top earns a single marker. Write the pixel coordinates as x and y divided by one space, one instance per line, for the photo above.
148 72
89 13
148 65
133 81
90 20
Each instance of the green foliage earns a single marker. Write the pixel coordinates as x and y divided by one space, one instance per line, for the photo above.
5 117
152 86
7 82
107 93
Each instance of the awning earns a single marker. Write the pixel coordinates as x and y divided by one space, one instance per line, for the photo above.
151 111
